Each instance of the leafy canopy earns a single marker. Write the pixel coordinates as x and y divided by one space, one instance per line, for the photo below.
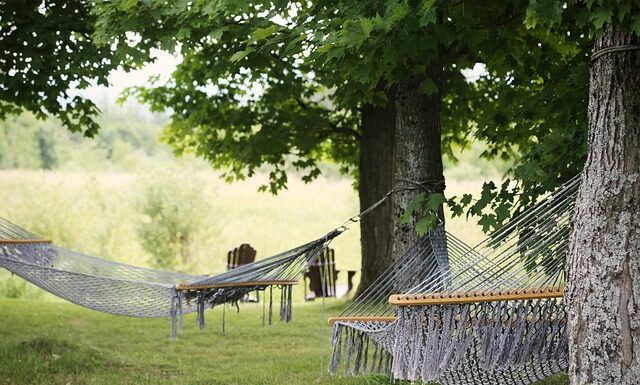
283 83
547 96
277 83
47 52
239 109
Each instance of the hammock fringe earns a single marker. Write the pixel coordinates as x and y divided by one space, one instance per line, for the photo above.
491 314
356 352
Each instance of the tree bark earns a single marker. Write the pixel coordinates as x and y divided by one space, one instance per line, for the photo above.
376 179
603 266
417 151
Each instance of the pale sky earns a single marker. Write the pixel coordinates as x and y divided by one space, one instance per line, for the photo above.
164 65
119 80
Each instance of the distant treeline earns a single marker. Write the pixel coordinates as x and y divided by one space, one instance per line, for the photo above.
128 140
125 139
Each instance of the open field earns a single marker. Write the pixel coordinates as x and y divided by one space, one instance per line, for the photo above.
99 214
57 343
48 341
44 340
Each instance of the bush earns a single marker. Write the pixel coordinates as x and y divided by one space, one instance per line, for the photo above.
173 210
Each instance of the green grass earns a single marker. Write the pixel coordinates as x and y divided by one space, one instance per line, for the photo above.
58 343
99 214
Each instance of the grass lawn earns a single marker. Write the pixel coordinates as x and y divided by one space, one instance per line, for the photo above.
58 343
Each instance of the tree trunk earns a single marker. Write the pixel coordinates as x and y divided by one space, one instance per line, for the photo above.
376 179
604 253
417 152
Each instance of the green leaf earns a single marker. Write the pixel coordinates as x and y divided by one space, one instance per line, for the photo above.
487 222
601 16
396 12
128 5
183 33
502 213
294 44
428 13
427 86
466 199
623 9
635 24
236 57
367 26
378 22
435 201
218 33
486 196
262 33
426 223
456 209
544 12
414 206
354 34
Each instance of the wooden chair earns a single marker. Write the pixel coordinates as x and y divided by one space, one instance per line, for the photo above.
322 276
242 255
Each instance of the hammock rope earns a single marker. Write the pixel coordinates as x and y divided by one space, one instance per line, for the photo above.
122 289
497 316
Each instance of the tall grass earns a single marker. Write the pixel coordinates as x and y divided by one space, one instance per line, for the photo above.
60 344
100 214
94 203
94 200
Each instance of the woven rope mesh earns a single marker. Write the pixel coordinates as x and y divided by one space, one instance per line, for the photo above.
500 342
91 282
122 289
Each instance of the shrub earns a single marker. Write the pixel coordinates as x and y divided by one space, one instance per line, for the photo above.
173 210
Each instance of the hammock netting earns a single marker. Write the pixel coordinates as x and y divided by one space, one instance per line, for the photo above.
443 312
492 314
126 290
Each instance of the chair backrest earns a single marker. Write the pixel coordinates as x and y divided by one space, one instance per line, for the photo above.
323 271
241 255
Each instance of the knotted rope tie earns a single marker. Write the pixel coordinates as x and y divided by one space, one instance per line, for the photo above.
174 311
270 304
224 307
618 48
429 185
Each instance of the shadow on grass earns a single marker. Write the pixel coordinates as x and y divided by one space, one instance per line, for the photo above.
60 344
37 360
44 360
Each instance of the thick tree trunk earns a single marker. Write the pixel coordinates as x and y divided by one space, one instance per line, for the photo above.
417 153
376 179
604 254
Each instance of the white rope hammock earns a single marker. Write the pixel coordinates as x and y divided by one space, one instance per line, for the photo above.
127 290
495 316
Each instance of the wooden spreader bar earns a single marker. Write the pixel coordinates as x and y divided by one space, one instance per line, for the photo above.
333 320
476 296
22 241
186 286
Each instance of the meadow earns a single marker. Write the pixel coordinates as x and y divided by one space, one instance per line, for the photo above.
99 214
44 340
110 196
63 344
